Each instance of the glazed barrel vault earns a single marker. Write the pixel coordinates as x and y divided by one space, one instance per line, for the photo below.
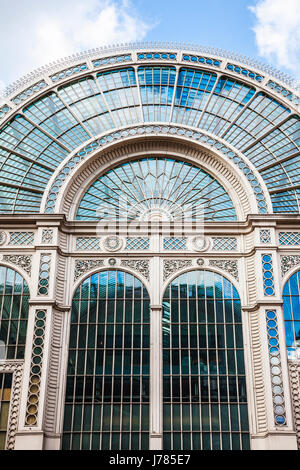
149 253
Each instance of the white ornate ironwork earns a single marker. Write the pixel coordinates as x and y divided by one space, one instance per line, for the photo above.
87 243
289 238
23 261
140 46
21 238
47 236
174 265
141 266
175 243
231 266
265 236
224 244
137 243
288 262
83 266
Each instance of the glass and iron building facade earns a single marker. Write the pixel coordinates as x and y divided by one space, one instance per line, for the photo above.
150 253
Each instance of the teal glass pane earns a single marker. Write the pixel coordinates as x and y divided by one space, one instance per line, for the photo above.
291 311
204 382
107 394
14 297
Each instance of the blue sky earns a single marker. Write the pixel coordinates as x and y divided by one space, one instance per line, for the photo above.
267 30
226 24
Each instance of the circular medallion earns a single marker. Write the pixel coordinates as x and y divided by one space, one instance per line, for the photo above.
113 243
199 243
2 238
112 262
200 262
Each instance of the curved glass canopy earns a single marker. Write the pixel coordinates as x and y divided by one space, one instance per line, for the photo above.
160 189
42 134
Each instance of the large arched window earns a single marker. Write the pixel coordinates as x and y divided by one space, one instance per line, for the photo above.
14 296
291 310
205 402
161 188
107 393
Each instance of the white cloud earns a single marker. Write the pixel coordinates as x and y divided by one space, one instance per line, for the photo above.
34 33
277 32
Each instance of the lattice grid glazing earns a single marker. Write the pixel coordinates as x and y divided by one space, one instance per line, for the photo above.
107 394
289 238
138 243
205 402
175 243
224 244
14 297
21 238
87 243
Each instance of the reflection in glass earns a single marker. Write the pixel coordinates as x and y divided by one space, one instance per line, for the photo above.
291 311
107 390
204 382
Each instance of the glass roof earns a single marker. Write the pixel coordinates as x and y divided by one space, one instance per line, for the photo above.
156 189
37 139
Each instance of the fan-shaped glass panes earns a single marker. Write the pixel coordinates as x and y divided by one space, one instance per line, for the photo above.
14 296
107 393
291 310
156 189
204 386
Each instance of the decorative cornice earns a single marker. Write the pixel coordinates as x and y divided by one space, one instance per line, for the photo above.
82 59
